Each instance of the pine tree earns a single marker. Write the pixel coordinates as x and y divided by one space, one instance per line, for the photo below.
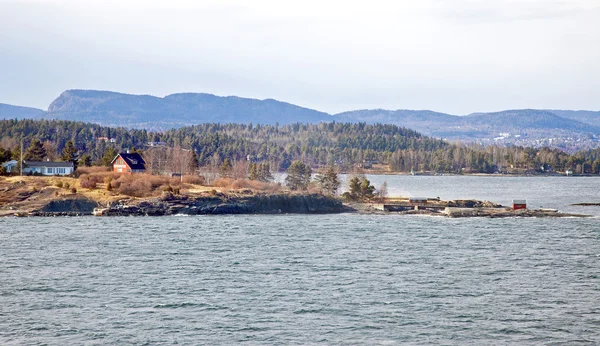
254 174
86 159
298 176
109 155
328 181
69 154
265 173
360 189
226 168
35 152
16 153
5 155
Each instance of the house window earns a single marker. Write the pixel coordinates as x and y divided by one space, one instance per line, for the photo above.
128 170
120 170
61 170
49 170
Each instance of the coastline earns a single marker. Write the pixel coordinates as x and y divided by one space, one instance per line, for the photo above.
45 199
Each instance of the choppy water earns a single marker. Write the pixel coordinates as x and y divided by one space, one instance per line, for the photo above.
297 279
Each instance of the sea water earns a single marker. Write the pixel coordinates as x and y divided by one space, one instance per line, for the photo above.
310 279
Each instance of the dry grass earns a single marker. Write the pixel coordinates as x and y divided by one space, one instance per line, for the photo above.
238 184
136 185
93 170
193 179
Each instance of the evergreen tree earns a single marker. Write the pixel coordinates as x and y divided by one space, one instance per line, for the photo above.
265 172
226 168
360 189
86 159
5 155
109 155
254 174
328 181
596 166
35 152
16 153
298 176
69 154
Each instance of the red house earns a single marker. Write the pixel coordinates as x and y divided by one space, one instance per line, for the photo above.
128 163
519 204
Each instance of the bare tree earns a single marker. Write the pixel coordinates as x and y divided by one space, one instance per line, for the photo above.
240 169
51 150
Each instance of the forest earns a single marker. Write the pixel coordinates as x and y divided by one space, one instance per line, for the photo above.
343 145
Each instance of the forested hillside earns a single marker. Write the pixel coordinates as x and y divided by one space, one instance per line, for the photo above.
344 145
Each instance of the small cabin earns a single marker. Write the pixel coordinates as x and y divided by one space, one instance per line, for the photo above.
128 163
519 204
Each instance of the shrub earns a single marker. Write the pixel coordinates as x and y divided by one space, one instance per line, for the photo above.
59 184
73 190
66 186
135 188
255 185
223 182
88 184
193 179
92 170
87 181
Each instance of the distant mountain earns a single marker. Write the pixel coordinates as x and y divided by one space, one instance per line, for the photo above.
144 111
588 117
18 112
424 121
539 123
564 129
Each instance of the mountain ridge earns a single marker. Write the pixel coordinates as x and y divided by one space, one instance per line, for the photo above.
8 111
112 108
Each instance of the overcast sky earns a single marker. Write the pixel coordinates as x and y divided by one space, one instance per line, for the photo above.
454 56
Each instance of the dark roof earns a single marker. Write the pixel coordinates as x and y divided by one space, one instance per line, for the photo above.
65 164
130 158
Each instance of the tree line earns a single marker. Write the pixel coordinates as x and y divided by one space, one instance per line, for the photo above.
343 145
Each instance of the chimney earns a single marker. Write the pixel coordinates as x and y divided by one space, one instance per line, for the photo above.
127 151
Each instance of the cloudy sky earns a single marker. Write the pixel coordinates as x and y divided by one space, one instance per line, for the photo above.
455 56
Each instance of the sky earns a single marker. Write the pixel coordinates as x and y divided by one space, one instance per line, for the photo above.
452 56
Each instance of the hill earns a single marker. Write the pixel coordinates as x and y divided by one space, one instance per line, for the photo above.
18 112
176 110
564 129
587 117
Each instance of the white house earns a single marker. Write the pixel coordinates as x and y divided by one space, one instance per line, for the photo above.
48 168
11 166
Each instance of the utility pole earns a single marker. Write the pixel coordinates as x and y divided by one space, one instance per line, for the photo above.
21 170
181 168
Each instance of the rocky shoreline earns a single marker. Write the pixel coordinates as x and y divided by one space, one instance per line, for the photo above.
284 203
219 204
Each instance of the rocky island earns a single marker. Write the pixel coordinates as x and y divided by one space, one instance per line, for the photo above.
35 196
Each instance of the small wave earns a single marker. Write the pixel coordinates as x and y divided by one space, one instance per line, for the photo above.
178 305
37 289
308 311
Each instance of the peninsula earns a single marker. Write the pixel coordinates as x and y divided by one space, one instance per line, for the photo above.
65 196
